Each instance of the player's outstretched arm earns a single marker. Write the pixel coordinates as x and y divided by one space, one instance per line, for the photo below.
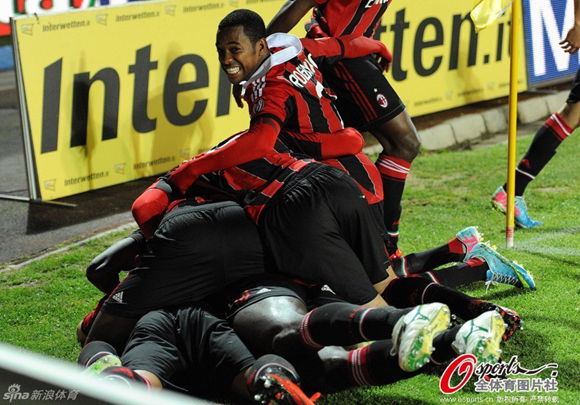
348 47
289 15
252 144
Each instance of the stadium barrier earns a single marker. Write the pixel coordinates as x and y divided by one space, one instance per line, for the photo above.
27 377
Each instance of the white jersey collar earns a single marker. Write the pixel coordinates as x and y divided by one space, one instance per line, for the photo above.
291 48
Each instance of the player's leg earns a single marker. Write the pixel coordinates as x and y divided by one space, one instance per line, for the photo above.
452 251
281 324
368 102
548 138
190 349
400 142
410 291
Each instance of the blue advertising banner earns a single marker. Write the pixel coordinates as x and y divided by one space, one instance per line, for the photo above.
546 23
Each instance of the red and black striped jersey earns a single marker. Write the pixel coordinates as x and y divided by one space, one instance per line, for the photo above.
311 125
286 89
343 17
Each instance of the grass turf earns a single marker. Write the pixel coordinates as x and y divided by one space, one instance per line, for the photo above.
42 303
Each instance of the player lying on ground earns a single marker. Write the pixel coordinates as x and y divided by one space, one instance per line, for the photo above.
366 100
548 138
191 351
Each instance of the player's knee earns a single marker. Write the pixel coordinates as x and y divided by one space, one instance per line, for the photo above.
570 113
407 145
399 140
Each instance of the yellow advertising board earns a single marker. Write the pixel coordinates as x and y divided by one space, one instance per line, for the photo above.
114 94
125 92
440 62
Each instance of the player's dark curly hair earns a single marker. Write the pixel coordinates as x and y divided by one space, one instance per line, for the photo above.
253 24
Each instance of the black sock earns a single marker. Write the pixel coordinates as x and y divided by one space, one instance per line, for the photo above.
429 259
411 291
342 324
442 344
374 365
94 351
460 274
541 151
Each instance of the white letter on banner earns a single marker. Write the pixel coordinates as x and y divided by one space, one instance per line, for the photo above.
6 11
542 16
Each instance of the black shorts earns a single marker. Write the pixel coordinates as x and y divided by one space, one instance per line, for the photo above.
574 95
189 349
365 98
196 251
256 289
320 229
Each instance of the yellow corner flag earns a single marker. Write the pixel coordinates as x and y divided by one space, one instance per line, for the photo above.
485 12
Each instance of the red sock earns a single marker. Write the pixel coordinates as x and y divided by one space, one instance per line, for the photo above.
455 246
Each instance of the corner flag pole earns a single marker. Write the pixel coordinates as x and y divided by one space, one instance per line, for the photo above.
513 121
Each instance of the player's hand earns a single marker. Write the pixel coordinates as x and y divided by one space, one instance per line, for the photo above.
571 43
103 271
385 61
237 93
149 207
357 46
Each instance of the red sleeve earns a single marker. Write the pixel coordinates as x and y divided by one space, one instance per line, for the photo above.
252 144
328 47
345 142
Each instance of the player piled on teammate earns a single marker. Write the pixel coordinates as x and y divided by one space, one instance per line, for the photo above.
255 306
297 202
365 100
555 130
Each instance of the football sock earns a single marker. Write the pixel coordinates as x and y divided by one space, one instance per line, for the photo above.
94 351
543 148
469 272
368 365
442 344
342 324
411 291
394 173
420 262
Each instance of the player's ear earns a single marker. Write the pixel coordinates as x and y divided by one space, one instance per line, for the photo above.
262 47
